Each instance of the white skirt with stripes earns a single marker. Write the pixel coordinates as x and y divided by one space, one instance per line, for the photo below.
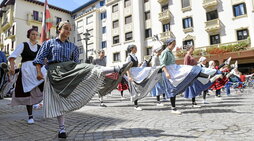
56 105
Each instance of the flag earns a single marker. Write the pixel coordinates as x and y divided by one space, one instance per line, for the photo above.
46 23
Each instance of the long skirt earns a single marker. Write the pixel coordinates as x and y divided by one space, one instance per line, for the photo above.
123 85
158 89
145 79
20 97
28 90
200 84
60 97
182 76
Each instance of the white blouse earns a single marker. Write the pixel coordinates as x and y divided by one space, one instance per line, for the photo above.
17 52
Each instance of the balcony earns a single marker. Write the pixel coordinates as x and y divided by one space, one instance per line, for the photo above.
162 2
208 4
213 25
165 16
7 19
166 35
33 19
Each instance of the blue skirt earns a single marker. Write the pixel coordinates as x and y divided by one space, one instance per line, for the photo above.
197 87
182 76
158 89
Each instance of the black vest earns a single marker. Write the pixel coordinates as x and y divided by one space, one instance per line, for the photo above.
28 54
135 63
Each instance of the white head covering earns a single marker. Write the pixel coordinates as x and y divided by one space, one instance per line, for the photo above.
210 63
157 47
201 59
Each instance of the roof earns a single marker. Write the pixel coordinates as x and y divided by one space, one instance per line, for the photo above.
84 5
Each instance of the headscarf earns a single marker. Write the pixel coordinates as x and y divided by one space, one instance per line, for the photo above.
169 41
201 59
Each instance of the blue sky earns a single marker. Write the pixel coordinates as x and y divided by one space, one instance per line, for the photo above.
66 4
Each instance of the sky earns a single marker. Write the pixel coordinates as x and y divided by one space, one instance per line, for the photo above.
66 4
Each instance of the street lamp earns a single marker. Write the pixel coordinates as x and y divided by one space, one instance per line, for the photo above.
86 34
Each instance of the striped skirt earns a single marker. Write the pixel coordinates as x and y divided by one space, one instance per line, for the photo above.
141 89
56 105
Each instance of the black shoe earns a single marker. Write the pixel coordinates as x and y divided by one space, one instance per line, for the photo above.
62 135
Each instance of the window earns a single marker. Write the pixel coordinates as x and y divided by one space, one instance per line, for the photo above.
35 27
212 15
164 8
103 15
146 1
102 3
103 29
114 8
242 34
239 9
187 22
89 20
214 39
148 51
127 3
115 24
166 27
58 20
103 44
185 3
147 15
148 33
188 42
116 39
12 45
116 56
128 36
128 20
13 29
126 54
36 15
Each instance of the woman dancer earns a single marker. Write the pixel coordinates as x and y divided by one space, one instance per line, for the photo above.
28 89
68 85
141 79
190 60
202 63
177 78
158 90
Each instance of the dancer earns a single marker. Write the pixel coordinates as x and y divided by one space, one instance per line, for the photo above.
141 79
101 61
122 86
69 85
202 63
158 90
177 78
28 89
3 72
190 60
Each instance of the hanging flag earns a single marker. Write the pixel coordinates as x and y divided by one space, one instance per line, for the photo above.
46 23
